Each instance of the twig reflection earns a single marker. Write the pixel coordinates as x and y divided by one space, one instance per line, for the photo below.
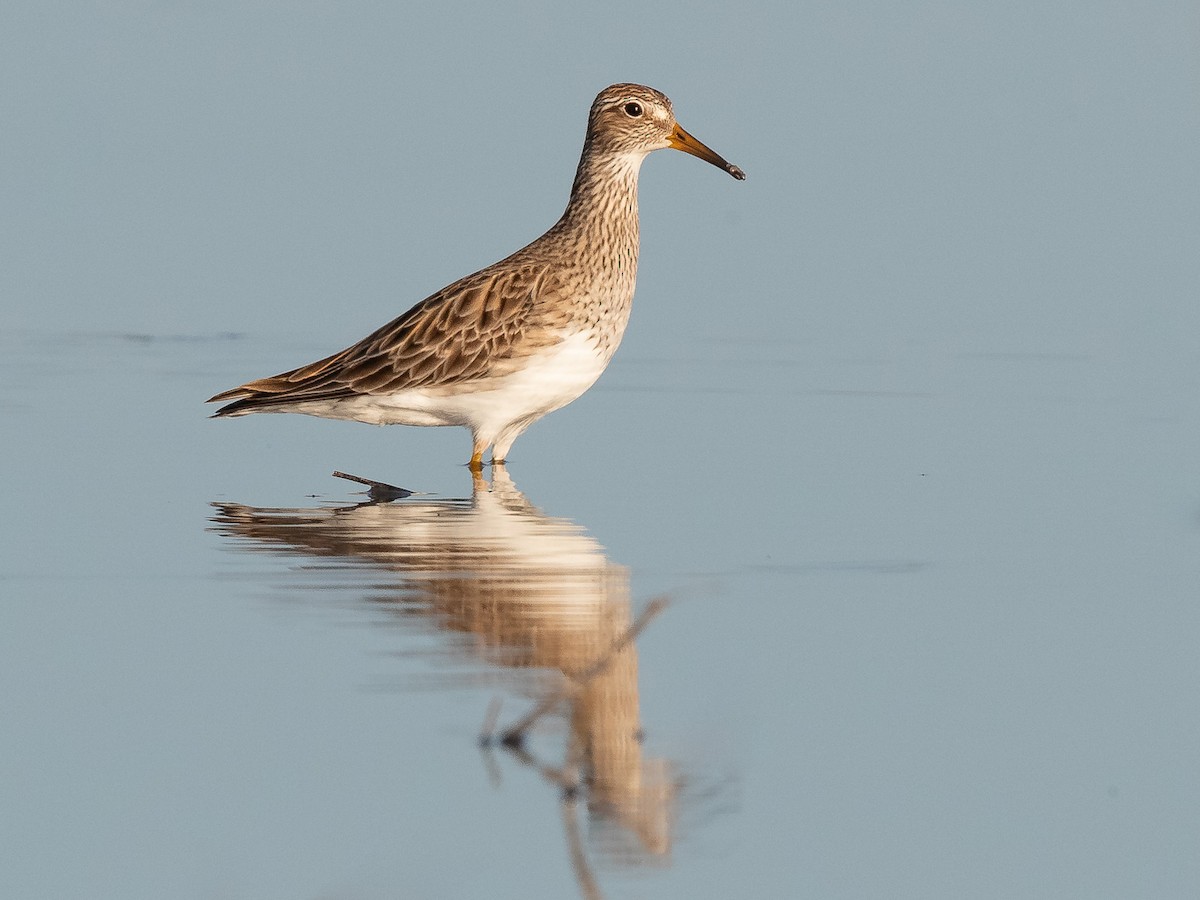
525 591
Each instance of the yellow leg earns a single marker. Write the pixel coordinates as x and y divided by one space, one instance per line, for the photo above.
476 463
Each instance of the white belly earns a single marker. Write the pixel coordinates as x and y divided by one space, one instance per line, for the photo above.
546 382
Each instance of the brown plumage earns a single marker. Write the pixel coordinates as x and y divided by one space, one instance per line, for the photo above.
498 349
472 329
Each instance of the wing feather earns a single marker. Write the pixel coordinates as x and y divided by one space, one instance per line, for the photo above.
478 327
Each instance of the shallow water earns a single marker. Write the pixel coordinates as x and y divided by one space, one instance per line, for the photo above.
904 430
940 645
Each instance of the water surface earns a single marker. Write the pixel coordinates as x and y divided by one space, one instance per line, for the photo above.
905 429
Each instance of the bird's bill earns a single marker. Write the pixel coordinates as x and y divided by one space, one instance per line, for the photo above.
681 140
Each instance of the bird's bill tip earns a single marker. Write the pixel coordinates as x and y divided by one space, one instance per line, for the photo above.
681 140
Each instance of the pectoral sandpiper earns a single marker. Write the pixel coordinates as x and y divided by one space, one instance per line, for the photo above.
497 350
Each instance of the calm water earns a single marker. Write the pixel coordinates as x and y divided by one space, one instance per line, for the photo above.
941 655
905 431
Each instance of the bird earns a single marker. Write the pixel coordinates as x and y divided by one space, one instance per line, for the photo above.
498 349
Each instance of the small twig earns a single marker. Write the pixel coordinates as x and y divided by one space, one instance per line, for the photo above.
588 886
486 741
513 736
653 608
488 731
379 490
554 775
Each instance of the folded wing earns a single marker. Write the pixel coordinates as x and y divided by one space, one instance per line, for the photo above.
479 327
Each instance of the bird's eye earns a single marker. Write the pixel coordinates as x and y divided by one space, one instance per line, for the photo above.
633 110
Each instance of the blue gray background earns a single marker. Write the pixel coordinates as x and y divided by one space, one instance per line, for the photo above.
907 424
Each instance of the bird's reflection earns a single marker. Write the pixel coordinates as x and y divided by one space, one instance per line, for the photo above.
526 591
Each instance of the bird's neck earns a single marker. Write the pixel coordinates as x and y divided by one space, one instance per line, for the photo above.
602 214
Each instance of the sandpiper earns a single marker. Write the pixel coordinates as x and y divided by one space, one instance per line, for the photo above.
497 350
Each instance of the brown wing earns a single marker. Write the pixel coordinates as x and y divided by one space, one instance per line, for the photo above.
476 327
